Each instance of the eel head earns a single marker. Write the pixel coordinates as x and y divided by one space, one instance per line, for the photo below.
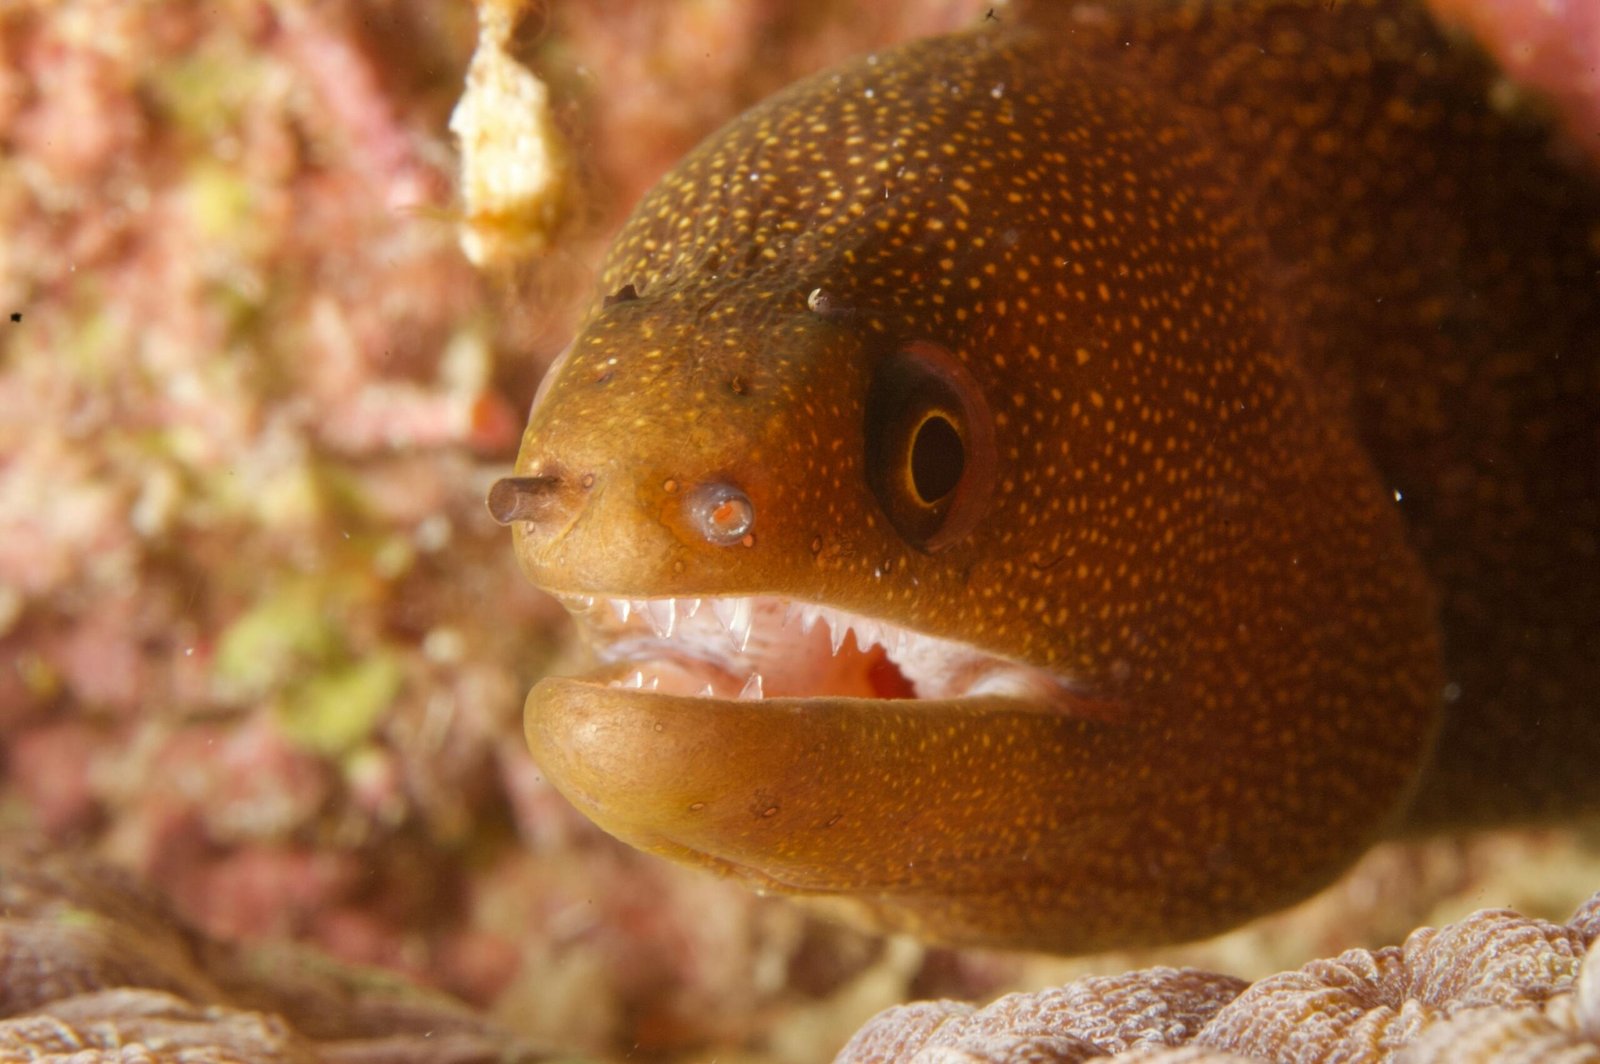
944 575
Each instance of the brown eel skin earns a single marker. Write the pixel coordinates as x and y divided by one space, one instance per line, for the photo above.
1078 482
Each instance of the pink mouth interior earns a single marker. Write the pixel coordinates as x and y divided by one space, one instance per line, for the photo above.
769 647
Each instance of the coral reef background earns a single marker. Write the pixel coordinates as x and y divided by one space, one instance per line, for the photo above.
260 643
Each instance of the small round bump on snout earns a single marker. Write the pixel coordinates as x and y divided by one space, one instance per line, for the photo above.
721 513
825 304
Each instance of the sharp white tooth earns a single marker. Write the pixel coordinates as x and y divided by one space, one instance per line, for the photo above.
836 634
623 608
636 680
663 614
587 600
655 682
752 688
691 607
835 618
868 634
808 618
723 608
707 692
639 606
744 616
791 610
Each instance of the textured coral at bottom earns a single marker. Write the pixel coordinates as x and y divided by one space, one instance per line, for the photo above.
94 968
1496 986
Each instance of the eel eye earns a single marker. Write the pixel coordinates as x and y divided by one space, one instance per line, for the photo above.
930 445
938 458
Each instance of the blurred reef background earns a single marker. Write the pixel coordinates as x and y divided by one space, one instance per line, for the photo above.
260 643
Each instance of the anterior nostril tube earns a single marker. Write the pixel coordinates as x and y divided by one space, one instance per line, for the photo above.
523 498
721 513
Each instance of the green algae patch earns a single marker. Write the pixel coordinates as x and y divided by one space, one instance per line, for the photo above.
337 710
221 203
279 641
292 651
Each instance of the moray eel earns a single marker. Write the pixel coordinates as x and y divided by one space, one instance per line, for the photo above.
1078 482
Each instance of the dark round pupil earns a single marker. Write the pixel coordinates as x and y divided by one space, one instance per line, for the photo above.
937 459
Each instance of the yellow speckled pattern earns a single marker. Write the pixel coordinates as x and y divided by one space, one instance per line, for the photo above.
1289 346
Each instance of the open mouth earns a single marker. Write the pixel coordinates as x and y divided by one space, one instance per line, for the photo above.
764 647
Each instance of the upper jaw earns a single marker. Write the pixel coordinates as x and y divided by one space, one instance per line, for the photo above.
768 646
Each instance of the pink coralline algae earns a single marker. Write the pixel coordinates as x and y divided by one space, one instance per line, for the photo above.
1496 986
